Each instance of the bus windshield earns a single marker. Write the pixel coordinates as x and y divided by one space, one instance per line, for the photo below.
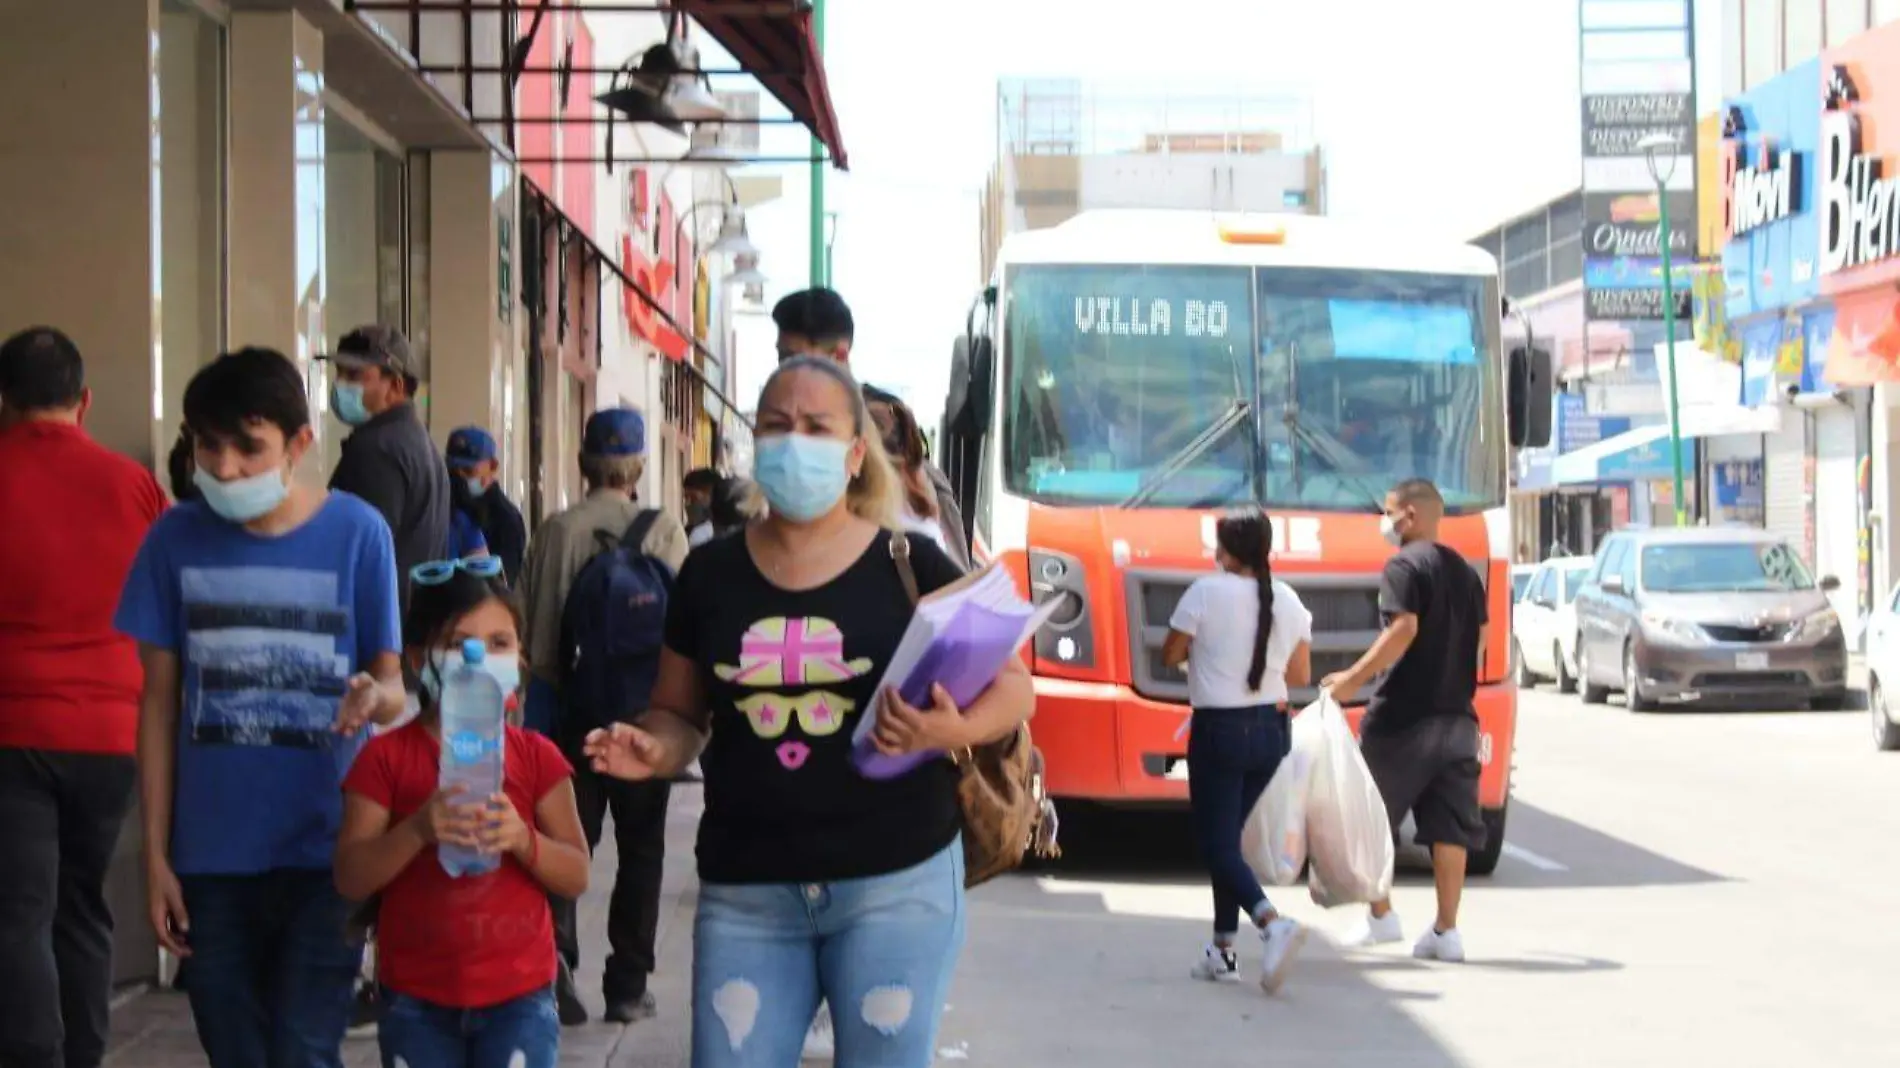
1353 380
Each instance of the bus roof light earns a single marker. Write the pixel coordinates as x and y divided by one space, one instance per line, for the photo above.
1249 235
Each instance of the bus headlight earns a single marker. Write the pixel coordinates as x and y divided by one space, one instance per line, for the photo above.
1068 638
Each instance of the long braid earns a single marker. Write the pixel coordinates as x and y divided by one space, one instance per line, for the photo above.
1263 575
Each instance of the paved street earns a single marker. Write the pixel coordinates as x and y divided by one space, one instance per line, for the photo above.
1681 889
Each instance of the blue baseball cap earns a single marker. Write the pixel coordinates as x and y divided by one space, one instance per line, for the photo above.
470 445
615 432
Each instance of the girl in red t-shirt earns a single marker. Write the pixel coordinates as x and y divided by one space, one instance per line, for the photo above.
466 965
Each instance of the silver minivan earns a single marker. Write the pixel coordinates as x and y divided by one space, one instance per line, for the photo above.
1708 614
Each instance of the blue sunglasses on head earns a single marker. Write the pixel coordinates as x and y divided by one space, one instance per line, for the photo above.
436 572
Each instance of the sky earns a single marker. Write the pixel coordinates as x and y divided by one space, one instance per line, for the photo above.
1453 115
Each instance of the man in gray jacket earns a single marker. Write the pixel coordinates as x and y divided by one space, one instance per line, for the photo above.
817 322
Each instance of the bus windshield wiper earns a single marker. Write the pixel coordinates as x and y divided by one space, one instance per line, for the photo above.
1235 415
1329 450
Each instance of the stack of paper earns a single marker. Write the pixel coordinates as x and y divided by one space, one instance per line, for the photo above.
960 638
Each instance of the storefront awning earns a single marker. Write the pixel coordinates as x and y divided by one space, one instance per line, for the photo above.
1643 453
781 52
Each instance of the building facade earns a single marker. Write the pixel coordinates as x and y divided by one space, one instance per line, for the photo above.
199 175
1064 147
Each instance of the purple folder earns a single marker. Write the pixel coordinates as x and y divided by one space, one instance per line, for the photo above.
961 639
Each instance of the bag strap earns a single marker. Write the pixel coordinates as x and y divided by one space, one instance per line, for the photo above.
900 555
636 536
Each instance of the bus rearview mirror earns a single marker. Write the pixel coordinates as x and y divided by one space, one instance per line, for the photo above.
1529 392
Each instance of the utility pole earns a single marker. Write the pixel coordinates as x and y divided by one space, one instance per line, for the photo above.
820 273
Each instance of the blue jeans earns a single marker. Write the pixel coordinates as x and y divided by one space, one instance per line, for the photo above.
419 1034
1232 754
273 971
880 950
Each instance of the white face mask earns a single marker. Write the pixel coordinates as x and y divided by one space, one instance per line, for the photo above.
1389 530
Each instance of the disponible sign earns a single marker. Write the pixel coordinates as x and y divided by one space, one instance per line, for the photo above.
1633 304
1614 123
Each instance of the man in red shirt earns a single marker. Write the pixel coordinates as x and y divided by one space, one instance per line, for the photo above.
74 515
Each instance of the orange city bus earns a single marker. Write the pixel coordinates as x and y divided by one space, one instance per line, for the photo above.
1128 375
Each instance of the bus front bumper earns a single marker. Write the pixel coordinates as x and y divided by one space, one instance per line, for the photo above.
1105 742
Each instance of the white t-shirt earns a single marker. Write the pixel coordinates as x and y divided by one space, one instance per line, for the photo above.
1219 612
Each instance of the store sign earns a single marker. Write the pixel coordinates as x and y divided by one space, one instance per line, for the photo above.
1766 192
1860 204
1625 103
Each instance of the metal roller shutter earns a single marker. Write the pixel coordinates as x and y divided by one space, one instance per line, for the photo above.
1836 508
1784 502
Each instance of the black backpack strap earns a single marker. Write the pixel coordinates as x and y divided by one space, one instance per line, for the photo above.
636 536
900 554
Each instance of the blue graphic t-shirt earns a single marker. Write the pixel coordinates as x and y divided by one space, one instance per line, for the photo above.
268 631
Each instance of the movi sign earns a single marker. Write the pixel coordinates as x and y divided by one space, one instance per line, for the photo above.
1766 192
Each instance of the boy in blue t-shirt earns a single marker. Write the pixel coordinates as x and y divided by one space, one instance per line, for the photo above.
267 620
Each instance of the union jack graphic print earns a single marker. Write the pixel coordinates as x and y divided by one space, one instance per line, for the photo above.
792 652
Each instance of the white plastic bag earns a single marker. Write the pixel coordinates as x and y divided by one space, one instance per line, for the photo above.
1348 836
1274 839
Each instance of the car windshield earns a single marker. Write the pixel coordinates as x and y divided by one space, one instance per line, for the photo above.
1355 380
1574 578
1717 567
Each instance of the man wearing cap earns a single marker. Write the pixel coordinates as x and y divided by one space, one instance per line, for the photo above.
388 459
613 457
474 490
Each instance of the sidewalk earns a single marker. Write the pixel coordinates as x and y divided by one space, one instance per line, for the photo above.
154 1030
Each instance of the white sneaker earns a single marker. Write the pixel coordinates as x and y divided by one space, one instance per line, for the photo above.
819 1046
1374 931
1447 946
1217 965
1280 943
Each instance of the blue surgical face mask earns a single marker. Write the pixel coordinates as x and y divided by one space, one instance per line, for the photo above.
505 668
242 499
346 399
803 476
475 487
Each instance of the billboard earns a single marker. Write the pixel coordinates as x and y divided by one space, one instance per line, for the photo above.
1638 78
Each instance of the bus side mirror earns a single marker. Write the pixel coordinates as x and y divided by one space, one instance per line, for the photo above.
1528 394
981 396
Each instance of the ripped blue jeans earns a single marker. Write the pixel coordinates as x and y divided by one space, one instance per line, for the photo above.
880 950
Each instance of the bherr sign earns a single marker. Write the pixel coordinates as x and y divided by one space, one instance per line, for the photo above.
1762 194
1860 221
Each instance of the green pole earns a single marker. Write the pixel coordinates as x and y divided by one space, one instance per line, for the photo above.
820 275
1669 329
831 244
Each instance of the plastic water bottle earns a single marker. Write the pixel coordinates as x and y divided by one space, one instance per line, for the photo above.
473 731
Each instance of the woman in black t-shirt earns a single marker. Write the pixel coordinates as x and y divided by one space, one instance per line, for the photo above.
816 882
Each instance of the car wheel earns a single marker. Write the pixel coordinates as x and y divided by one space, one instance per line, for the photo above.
1633 695
1886 731
1591 693
1485 861
1525 680
1566 682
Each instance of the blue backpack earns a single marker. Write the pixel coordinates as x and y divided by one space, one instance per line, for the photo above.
612 627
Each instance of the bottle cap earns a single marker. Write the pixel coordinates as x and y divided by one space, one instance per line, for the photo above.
474 651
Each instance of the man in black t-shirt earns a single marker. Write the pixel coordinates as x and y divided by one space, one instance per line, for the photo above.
1420 735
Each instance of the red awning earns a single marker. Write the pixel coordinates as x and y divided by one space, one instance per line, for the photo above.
780 51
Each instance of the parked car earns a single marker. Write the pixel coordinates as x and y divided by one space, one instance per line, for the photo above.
1544 623
1714 614
1883 670
1521 579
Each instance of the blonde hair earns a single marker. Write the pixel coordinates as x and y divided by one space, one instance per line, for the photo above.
875 491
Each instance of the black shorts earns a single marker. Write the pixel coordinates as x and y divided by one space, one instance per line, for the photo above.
1430 769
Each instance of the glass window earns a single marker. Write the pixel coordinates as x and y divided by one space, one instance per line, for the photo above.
1845 18
364 271
1732 60
1520 583
1114 372
1369 377
1573 580
1761 41
1610 558
1294 198
1803 33
1547 586
1705 567
1626 568
188 153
